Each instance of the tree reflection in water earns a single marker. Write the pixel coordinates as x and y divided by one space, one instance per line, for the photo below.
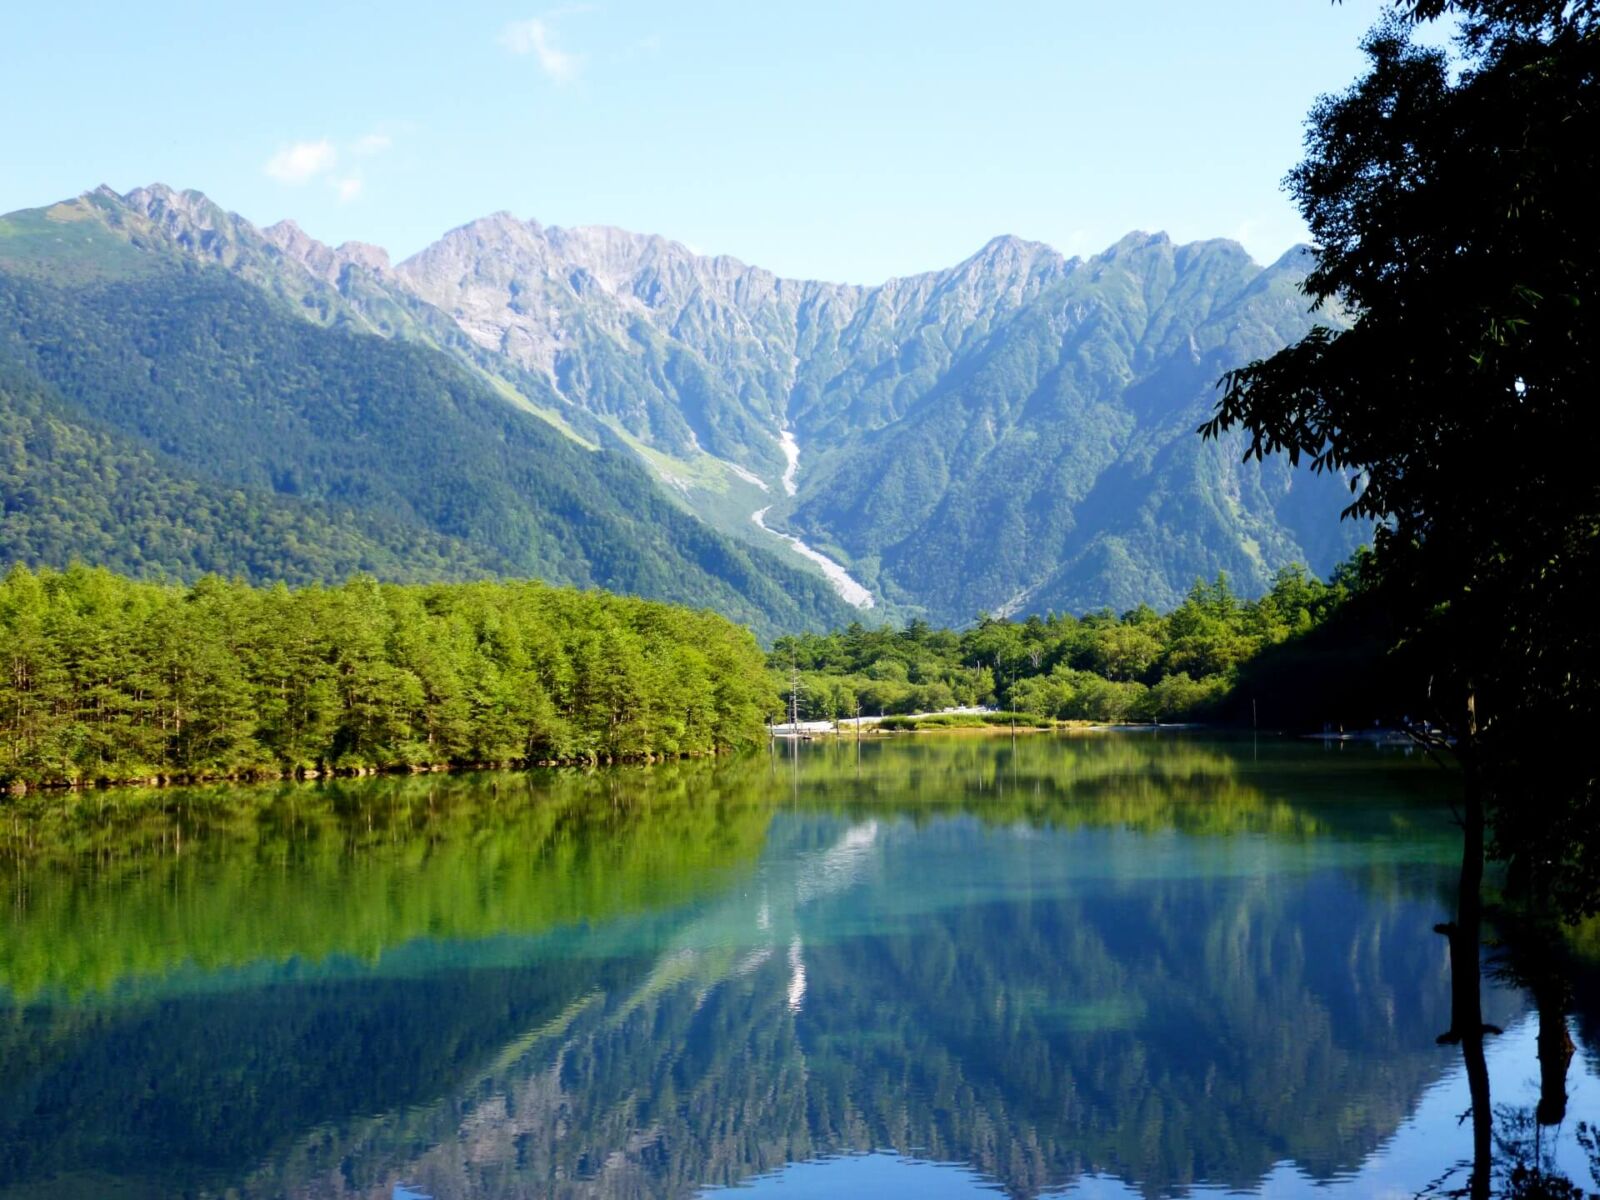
1514 1146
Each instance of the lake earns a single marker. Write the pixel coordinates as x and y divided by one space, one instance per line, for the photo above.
933 966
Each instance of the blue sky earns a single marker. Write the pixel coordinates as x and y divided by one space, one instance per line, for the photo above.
847 141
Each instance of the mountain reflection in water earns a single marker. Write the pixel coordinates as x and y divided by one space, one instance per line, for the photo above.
1121 966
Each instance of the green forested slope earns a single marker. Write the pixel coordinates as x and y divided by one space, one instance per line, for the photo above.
75 489
1013 434
187 421
1054 455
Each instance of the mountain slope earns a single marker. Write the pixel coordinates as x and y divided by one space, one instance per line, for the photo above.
70 489
380 449
1013 433
1057 459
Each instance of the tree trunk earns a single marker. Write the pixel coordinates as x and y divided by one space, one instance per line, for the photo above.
1555 1054
1466 936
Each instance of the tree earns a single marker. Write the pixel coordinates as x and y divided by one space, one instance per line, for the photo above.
1124 651
1451 197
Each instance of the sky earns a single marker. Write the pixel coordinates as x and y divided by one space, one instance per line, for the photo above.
842 141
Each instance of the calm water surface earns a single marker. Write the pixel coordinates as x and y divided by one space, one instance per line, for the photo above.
941 967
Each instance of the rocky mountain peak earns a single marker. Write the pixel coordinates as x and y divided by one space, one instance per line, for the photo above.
1006 271
498 228
1007 247
319 258
1022 414
1011 257
1138 239
175 210
365 254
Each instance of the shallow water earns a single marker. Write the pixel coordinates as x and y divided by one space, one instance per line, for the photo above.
1117 966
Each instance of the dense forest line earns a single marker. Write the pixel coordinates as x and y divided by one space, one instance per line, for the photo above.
1137 666
74 490
107 678
111 679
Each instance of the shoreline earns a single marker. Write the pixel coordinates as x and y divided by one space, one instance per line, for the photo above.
874 727
17 789
846 731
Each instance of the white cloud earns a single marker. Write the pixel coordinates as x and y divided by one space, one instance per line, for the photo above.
372 143
348 188
302 162
533 37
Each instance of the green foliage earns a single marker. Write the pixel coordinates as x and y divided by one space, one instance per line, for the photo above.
1451 195
108 678
72 240
72 489
1140 666
181 421
1040 446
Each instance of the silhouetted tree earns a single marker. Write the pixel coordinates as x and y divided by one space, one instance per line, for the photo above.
1451 197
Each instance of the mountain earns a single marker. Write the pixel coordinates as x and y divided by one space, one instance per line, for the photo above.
168 416
1013 433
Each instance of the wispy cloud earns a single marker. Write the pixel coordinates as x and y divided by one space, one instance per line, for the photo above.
534 37
372 143
301 162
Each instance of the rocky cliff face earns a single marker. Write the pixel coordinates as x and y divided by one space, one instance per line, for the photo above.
695 352
325 263
1014 432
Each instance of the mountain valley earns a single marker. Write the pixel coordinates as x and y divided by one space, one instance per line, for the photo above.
1012 434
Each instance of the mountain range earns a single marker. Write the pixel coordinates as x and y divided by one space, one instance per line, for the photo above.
181 391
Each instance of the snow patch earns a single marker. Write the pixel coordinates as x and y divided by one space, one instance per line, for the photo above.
748 476
791 452
849 590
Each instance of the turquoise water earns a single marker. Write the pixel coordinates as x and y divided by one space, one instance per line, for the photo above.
1122 966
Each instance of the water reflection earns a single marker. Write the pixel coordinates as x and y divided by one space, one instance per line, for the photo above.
946 966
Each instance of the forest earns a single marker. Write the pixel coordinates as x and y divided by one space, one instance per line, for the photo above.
108 679
1137 666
